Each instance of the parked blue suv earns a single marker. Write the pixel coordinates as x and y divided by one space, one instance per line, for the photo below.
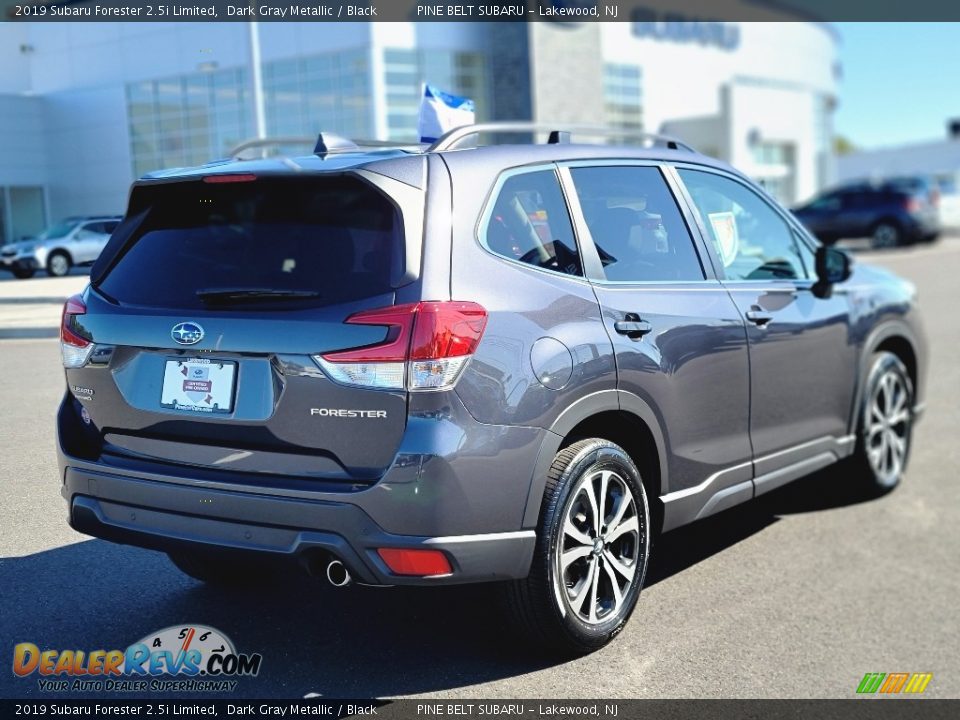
892 213
513 363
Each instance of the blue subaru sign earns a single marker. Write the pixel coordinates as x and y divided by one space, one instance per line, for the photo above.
725 36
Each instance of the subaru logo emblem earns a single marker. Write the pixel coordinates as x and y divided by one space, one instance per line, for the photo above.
187 333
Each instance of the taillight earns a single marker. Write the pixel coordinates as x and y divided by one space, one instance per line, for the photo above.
421 563
74 348
426 348
912 205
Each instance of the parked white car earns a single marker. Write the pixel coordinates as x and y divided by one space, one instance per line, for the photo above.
75 241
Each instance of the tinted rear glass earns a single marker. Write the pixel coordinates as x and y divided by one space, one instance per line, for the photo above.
327 240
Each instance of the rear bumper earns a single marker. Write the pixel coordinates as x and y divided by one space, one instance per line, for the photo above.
921 226
164 516
28 262
455 485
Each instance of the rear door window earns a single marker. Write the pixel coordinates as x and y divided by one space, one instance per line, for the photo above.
268 242
529 223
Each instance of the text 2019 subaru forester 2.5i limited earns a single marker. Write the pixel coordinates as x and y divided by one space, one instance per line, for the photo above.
512 363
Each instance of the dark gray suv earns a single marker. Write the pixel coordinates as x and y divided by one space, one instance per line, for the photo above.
512 363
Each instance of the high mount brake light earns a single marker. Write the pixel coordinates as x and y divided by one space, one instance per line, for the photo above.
74 348
215 179
426 348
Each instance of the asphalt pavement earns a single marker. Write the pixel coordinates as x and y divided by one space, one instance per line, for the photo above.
795 595
31 308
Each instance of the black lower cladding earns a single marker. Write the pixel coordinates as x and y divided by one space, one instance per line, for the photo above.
164 515
86 517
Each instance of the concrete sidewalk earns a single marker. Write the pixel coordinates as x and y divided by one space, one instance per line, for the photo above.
31 308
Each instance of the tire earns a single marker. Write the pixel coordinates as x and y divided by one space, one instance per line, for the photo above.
554 606
58 264
222 569
885 426
886 234
22 273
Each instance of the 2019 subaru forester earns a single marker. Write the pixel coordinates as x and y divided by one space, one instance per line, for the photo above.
509 363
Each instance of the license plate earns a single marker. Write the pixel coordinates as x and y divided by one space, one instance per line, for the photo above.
197 385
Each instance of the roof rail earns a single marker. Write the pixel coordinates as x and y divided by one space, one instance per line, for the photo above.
556 134
324 144
261 143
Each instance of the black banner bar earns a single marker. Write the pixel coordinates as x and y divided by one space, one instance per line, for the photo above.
564 11
874 708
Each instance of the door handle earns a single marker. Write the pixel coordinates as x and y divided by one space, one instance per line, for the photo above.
758 316
633 329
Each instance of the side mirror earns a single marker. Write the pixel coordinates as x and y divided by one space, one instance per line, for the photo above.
833 267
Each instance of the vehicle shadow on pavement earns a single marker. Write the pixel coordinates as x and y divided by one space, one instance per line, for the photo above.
680 549
355 642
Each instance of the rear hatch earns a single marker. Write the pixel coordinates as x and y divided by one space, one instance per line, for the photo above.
207 311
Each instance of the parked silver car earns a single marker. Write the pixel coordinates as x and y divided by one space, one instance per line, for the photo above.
74 241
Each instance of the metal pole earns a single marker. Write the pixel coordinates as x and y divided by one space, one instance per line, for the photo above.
256 80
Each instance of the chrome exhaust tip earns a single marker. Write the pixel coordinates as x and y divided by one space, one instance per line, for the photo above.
337 574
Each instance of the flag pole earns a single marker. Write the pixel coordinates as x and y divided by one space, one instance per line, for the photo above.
256 82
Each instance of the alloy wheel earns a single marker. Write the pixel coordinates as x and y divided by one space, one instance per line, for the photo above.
887 427
886 236
596 557
59 265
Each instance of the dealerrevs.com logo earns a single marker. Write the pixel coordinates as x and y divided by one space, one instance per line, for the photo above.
180 658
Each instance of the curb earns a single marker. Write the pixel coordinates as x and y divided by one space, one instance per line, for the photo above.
29 333
32 300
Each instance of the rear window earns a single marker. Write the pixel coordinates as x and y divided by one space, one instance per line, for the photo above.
270 242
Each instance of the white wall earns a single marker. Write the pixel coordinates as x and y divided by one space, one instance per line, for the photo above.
774 115
716 98
88 151
681 79
22 138
14 63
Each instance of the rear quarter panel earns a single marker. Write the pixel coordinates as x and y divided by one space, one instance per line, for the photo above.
534 315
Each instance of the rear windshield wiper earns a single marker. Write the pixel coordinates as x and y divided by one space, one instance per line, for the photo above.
244 294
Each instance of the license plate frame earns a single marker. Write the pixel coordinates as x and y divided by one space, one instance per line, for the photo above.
199 386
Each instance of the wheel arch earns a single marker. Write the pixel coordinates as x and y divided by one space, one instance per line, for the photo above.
886 219
894 337
59 249
617 416
903 349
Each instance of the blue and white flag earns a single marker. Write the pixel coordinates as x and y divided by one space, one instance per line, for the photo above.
441 112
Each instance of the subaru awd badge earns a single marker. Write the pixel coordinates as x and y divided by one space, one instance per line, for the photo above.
187 333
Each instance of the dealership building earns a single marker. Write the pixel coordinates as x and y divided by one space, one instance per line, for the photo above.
87 107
